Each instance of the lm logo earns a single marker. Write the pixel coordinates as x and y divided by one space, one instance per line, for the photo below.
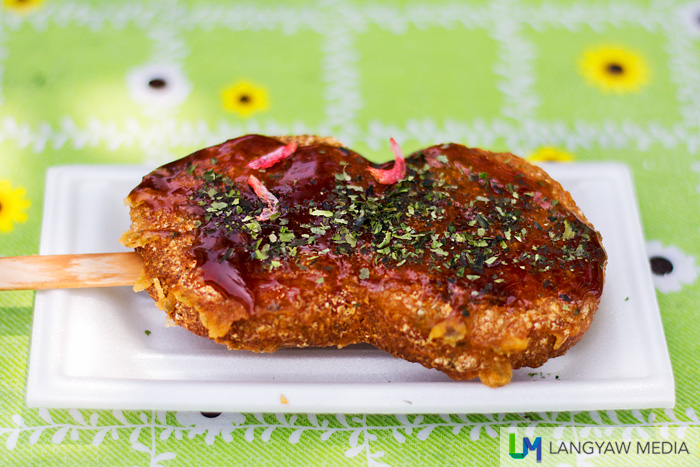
527 447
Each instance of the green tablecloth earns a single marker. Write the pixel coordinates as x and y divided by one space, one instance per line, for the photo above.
94 82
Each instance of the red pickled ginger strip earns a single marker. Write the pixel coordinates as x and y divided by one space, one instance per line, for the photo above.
270 159
265 196
396 173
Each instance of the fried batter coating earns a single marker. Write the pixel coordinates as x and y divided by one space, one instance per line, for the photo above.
474 263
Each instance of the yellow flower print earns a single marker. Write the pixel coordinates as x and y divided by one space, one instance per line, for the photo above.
614 69
12 206
550 154
22 6
245 98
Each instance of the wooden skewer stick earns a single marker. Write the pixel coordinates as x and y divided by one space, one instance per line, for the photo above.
69 271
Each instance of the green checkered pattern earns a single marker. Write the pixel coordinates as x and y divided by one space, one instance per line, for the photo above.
499 74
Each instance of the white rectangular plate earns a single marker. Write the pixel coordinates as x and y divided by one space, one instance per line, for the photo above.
90 348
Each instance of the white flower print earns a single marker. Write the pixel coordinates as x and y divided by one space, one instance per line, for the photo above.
690 16
158 85
212 424
671 268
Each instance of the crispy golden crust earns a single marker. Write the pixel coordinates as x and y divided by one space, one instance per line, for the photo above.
406 316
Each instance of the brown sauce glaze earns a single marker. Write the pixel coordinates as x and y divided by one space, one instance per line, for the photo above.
463 225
